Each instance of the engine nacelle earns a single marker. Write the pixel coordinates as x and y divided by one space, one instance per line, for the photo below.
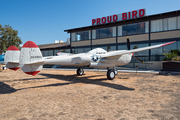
124 59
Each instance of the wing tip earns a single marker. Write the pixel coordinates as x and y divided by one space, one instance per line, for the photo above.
167 43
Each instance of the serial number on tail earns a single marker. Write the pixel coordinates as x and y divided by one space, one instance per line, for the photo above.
36 56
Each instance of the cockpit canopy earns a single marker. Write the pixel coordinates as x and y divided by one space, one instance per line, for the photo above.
97 51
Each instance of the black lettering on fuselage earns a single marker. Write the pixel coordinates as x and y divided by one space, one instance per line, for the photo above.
36 56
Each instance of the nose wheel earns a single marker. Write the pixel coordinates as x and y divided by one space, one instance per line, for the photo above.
80 71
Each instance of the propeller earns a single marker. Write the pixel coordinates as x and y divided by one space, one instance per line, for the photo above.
128 46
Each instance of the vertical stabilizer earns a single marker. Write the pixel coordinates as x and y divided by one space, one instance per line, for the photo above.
11 58
31 60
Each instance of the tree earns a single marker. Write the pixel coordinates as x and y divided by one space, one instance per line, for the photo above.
8 37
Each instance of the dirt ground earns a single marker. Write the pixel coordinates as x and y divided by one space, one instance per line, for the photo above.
61 95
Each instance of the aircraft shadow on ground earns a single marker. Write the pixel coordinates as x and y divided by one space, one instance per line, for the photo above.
86 79
71 79
28 79
5 88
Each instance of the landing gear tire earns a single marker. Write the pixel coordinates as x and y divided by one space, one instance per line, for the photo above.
110 74
4 68
80 71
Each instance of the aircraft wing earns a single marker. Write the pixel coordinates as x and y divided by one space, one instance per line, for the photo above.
119 53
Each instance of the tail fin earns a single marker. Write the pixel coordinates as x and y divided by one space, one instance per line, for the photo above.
31 60
11 58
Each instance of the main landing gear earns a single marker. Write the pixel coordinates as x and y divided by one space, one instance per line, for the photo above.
111 73
80 71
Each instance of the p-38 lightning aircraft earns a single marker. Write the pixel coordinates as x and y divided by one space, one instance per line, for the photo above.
31 61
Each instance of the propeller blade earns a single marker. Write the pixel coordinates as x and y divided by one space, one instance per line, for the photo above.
128 43
138 59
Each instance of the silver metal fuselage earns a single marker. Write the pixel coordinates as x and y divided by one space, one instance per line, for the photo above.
87 59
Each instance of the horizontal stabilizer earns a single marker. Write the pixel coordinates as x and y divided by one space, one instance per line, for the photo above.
17 62
35 62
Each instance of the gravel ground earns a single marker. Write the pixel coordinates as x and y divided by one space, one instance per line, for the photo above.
61 95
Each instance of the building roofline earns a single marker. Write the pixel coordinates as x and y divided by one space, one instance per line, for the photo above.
54 45
122 22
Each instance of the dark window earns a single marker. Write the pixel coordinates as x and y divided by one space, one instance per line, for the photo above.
141 28
122 47
111 48
86 35
97 34
87 49
103 33
124 30
79 36
132 29
110 32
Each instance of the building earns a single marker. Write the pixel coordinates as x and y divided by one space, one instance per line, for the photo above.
52 49
111 32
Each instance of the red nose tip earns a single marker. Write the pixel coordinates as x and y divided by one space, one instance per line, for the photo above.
132 53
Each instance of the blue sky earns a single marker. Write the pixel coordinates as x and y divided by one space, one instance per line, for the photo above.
44 21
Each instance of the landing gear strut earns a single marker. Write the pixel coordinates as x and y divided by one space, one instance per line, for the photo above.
111 73
80 71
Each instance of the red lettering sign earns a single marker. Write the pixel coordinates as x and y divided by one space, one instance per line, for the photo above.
114 18
124 16
119 17
134 14
141 12
93 21
129 15
103 20
97 21
108 19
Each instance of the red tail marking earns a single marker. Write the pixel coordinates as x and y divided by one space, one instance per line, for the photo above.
12 48
30 44
168 43
14 68
33 73
132 53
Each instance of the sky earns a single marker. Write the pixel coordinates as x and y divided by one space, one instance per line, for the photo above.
44 21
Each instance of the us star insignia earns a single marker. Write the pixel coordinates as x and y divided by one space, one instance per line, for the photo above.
95 58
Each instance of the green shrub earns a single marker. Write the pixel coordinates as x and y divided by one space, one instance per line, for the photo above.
169 56
176 51
176 59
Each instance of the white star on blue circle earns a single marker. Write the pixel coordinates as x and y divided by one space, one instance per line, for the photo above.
94 58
